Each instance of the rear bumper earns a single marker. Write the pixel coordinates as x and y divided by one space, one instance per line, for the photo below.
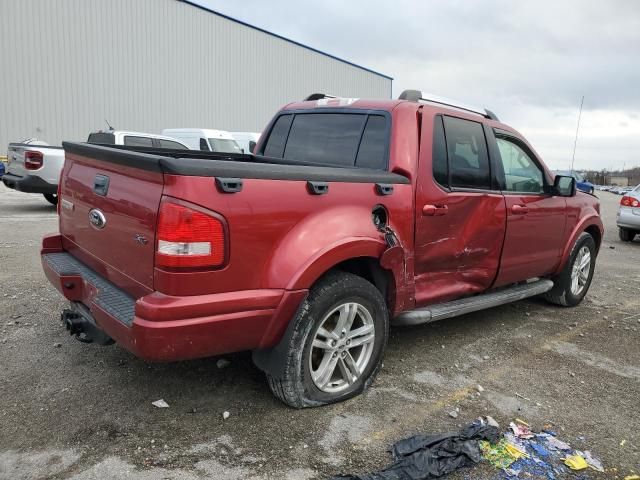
28 184
158 327
627 219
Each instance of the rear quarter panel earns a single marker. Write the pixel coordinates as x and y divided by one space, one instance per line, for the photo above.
281 236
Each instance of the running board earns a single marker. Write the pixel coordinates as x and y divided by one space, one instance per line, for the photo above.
455 308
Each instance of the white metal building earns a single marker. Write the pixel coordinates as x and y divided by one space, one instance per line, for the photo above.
67 65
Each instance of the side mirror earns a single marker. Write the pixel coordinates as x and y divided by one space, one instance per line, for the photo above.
564 186
252 145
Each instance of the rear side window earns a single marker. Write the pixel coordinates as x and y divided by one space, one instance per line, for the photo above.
339 139
204 145
173 145
373 147
278 137
132 141
102 137
467 155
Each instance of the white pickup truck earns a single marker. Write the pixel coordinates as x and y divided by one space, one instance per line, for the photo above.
33 166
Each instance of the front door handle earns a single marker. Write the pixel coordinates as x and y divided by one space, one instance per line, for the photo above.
520 209
434 210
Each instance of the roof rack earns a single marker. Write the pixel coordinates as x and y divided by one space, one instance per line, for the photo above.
417 96
318 96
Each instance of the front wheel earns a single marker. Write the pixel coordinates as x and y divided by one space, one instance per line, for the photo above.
574 281
626 235
340 334
51 198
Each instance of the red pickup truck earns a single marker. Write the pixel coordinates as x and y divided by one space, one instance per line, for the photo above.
350 215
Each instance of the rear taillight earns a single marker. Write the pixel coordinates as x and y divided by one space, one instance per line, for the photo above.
629 202
33 160
189 237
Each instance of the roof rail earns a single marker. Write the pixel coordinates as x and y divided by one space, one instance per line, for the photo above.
318 96
417 96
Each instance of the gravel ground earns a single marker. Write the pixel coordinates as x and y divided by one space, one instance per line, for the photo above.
75 411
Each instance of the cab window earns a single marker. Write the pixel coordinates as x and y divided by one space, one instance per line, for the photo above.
521 172
135 141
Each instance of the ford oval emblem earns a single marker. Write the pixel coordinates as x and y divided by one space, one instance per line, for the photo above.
97 218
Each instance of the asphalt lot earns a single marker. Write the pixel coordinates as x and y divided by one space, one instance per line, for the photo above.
70 410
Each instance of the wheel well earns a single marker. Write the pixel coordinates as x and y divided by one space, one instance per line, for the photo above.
595 233
369 269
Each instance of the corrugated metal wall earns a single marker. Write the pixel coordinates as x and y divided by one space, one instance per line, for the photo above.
144 65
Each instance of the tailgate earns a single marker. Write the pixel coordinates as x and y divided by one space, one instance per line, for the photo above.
108 215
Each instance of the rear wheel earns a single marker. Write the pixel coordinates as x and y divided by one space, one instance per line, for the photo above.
339 338
626 235
51 198
574 281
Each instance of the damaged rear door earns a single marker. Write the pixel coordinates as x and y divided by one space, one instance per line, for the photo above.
460 215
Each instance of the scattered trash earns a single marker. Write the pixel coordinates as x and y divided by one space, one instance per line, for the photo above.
554 443
480 389
423 457
591 461
225 415
486 357
522 397
523 453
160 404
576 462
622 443
632 477
521 431
453 414
502 454
223 363
57 345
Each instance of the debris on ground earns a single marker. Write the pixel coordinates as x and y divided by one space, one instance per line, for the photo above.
160 404
523 453
225 415
423 457
223 363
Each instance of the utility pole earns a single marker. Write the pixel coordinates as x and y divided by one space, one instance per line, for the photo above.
575 142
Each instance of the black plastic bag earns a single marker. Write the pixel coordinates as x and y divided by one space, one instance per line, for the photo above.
431 456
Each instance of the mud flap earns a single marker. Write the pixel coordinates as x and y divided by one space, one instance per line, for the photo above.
273 360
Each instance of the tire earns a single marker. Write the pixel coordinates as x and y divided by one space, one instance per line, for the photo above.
562 293
51 198
626 235
336 293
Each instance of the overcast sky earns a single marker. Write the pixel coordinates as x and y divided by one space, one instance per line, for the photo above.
529 62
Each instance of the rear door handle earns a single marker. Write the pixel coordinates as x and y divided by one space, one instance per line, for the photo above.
434 210
520 209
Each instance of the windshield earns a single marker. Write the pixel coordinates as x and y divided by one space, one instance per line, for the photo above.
226 146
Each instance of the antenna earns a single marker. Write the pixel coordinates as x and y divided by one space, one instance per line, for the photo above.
108 124
575 142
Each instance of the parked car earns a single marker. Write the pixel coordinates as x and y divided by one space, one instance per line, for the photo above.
135 139
2 168
628 217
33 166
246 140
581 183
205 139
350 216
